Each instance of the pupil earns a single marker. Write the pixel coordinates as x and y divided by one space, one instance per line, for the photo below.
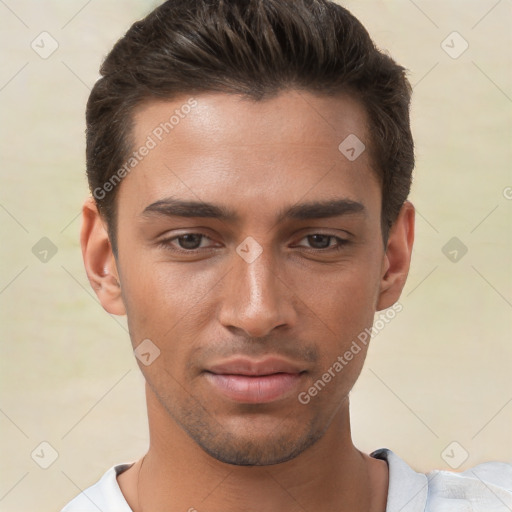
190 241
325 238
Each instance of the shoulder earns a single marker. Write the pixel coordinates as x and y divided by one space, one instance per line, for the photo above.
485 487
488 485
105 494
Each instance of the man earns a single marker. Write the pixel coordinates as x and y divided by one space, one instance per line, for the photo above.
250 163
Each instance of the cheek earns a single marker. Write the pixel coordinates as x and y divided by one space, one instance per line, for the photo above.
342 308
345 298
168 304
342 337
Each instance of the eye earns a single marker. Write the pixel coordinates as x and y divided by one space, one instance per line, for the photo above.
187 242
319 241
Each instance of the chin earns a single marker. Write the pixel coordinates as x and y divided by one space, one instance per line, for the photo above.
255 447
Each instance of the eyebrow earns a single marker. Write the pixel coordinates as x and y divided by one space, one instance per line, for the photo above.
172 207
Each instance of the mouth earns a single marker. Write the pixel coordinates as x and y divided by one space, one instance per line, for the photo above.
252 382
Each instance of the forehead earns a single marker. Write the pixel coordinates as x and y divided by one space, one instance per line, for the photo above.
291 117
228 148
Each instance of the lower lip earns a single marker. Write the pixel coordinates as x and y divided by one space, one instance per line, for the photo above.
254 390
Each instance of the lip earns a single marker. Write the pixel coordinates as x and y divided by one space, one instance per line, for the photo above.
251 367
249 381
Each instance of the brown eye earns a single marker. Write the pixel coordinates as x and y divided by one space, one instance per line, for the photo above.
190 241
187 243
319 241
323 242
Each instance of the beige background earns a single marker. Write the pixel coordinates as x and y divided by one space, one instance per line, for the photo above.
439 372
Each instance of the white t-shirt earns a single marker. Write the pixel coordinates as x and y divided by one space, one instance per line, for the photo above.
483 488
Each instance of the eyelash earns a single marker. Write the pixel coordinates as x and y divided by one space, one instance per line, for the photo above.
166 244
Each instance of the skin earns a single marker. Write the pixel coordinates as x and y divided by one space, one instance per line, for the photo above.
300 299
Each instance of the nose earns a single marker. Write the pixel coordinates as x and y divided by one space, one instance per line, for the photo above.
256 297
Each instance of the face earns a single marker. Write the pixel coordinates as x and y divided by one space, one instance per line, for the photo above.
250 254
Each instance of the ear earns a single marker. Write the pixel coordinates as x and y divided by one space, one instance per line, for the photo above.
99 260
397 257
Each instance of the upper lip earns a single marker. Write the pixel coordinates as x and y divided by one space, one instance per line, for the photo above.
251 367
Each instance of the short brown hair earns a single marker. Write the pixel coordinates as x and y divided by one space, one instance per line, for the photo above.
255 48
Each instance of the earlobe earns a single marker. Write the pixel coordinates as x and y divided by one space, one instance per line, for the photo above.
99 260
397 258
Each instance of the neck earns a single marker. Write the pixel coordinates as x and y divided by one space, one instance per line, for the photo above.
177 474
